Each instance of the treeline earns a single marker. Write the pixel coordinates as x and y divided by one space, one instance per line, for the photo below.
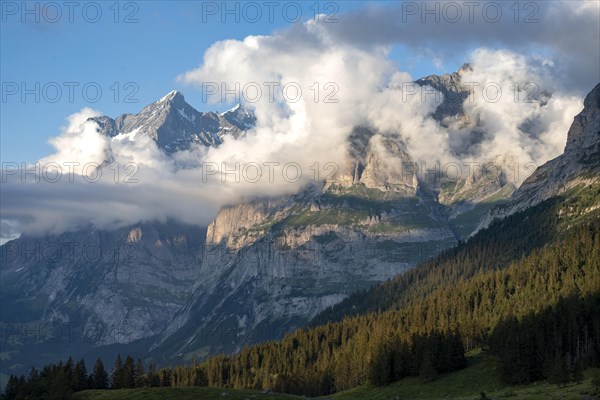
295 366
60 381
56 381
390 359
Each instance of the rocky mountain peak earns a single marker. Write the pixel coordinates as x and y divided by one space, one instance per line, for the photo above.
172 101
240 116
466 67
585 130
172 97
175 125
451 86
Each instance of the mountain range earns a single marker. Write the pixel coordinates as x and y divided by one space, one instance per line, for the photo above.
265 266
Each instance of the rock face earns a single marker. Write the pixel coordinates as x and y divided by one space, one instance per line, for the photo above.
377 162
453 90
115 286
579 164
271 265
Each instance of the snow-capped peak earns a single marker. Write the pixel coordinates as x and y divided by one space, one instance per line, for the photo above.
237 107
169 96
174 124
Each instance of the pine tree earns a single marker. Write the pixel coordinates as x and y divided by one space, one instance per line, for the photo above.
11 389
22 388
129 373
152 378
400 361
69 369
35 385
380 367
427 371
201 378
118 378
596 382
34 375
578 372
140 374
80 378
559 372
60 386
99 377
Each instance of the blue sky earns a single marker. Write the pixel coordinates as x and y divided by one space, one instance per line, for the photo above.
168 39
557 50
135 50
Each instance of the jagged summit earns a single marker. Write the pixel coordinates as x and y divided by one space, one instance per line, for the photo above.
465 68
172 95
175 125
241 117
455 93
233 109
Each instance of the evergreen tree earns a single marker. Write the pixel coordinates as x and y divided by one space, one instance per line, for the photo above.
380 368
99 377
129 373
80 377
559 371
22 388
166 377
34 375
201 378
578 372
401 361
596 382
118 374
69 369
152 378
35 385
140 374
427 371
12 388
59 387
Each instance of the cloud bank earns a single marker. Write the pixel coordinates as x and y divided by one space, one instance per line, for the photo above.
134 181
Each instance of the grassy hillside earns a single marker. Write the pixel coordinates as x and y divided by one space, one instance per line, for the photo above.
189 393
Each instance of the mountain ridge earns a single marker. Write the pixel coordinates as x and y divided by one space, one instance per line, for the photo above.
291 257
175 125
